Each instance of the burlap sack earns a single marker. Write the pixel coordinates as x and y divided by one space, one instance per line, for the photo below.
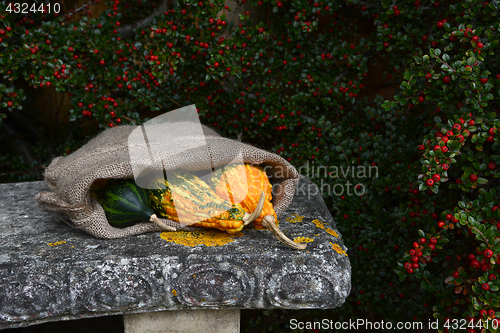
71 177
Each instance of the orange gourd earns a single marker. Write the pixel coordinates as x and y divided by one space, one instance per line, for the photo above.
244 183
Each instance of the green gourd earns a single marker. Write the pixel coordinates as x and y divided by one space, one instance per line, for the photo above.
126 204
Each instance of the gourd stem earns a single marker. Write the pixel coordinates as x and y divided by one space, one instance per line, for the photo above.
165 227
268 222
247 218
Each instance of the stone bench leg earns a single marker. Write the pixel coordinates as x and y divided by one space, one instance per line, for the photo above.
182 321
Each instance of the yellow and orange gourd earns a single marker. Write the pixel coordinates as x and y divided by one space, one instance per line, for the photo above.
220 206
196 204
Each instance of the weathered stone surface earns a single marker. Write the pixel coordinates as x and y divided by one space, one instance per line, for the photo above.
52 271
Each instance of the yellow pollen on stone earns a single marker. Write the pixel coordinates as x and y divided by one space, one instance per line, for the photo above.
195 238
174 292
337 248
303 240
320 225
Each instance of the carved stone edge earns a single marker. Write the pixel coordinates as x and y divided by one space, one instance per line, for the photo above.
65 291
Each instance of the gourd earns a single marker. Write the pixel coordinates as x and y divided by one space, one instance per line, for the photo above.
126 204
197 205
245 183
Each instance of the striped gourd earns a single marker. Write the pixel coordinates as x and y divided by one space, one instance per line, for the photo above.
197 205
245 183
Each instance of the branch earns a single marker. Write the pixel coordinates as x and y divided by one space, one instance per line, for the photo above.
128 30
480 233
454 71
74 11
129 119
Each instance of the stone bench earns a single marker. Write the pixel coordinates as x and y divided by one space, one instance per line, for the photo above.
50 271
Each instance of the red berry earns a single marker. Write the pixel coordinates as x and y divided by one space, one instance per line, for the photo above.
488 253
440 24
479 45
486 286
447 79
473 178
428 76
433 240
475 264
422 240
492 166
429 182
483 80
456 274
441 224
436 177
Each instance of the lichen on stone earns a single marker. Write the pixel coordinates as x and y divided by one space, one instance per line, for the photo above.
295 218
195 238
303 240
320 225
56 243
337 248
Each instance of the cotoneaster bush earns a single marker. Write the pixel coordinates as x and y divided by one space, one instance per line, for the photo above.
417 167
